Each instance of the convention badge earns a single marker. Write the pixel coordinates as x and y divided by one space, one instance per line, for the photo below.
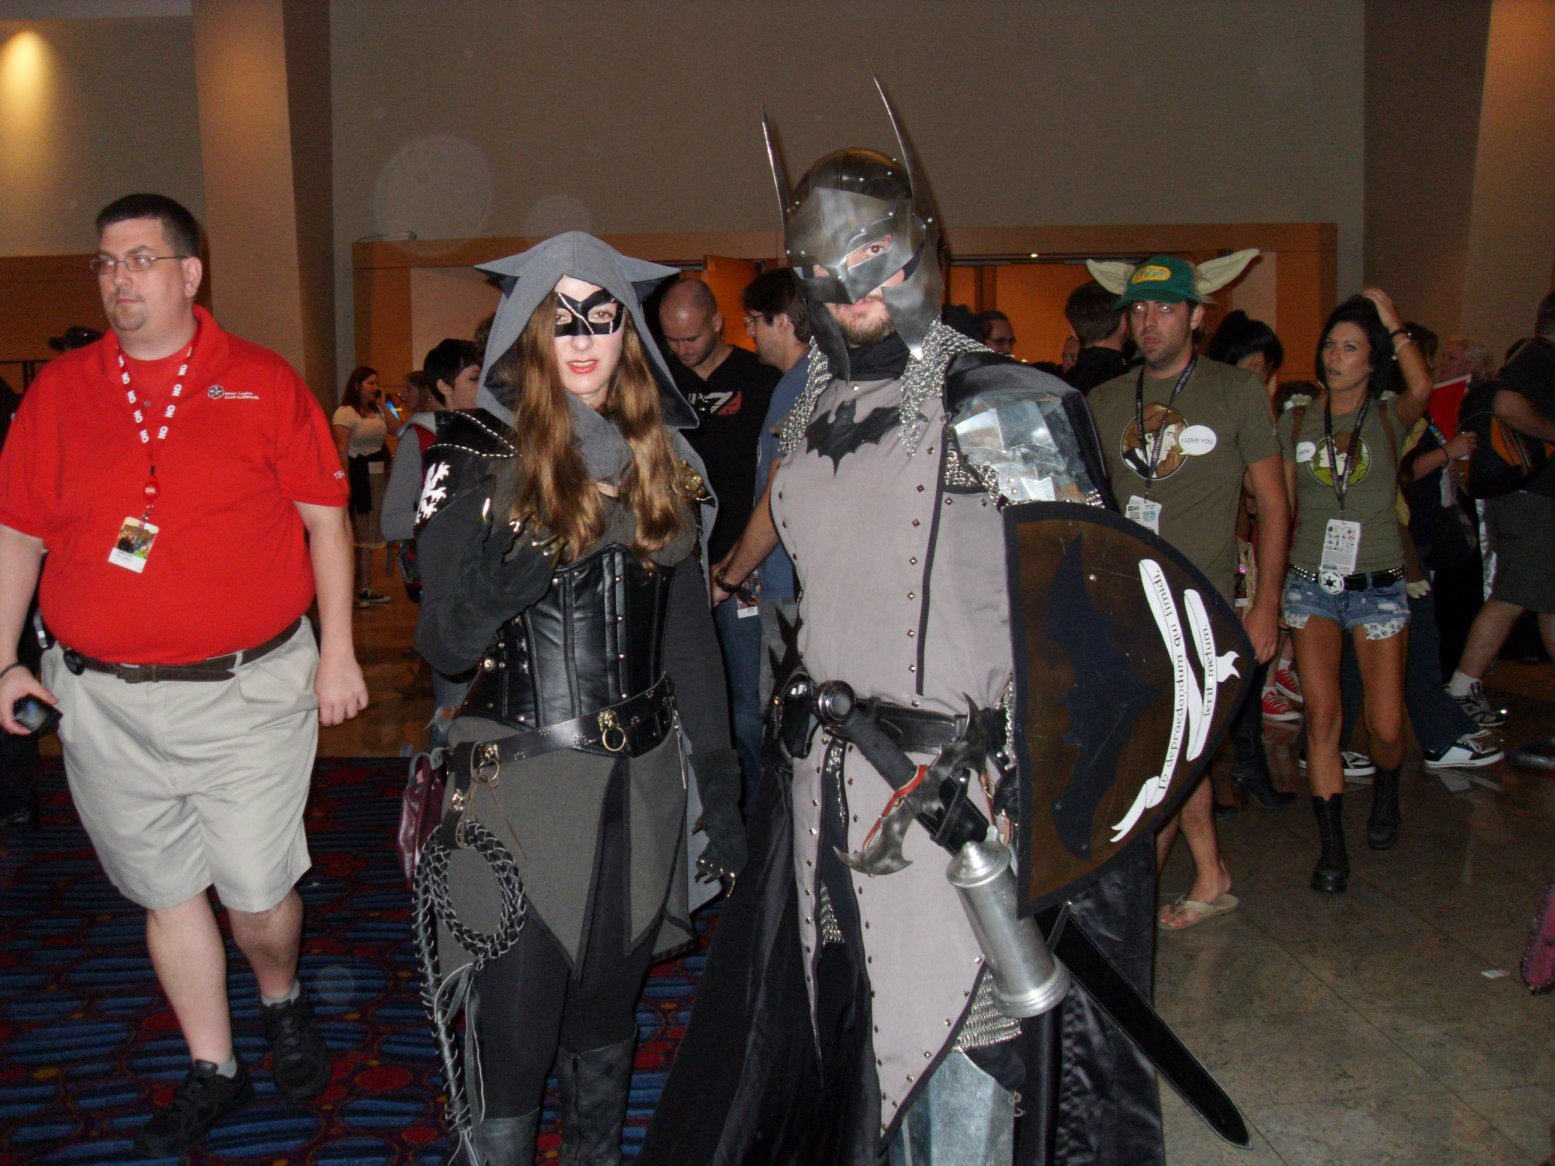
1341 549
747 598
1145 511
133 546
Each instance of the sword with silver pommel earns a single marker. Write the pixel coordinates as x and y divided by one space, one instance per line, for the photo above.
1030 977
1027 980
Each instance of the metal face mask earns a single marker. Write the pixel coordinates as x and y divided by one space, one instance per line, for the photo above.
854 220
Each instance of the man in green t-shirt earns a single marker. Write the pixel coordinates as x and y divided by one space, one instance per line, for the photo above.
1179 435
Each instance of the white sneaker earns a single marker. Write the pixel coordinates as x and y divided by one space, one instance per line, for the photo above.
1355 764
1479 709
1287 682
1277 708
1464 753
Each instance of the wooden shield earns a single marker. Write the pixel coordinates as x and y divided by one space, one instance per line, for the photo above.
1128 669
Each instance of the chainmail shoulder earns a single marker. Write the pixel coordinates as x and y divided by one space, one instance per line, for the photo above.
985 1024
817 377
923 379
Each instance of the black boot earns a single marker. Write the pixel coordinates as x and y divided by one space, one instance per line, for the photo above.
594 1087
1256 782
497 1141
1333 865
1382 825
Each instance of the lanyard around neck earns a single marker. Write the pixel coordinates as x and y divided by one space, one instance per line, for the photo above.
140 410
1341 482
1160 432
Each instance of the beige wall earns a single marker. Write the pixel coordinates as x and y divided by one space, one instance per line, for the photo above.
1460 166
488 118
90 110
484 117
1512 228
1425 60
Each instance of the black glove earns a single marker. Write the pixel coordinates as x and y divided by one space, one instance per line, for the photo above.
718 781
506 570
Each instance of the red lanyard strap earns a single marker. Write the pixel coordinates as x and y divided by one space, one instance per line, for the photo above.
138 411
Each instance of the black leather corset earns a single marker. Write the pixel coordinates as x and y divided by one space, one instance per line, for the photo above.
595 638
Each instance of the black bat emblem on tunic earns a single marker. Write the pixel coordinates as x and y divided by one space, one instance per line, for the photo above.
837 434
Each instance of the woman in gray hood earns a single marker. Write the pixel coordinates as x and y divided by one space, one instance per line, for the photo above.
558 532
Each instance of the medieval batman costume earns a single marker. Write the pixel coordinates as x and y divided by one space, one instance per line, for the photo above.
848 1014
560 870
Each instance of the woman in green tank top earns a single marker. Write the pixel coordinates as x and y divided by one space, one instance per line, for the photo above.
1347 556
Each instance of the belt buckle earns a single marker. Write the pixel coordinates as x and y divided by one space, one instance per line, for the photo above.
609 723
1331 581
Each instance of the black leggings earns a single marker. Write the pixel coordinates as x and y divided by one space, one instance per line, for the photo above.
532 1001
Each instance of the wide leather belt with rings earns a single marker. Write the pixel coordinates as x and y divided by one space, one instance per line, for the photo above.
1335 583
630 728
216 668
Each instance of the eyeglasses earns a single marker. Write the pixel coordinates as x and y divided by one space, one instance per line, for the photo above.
750 321
136 263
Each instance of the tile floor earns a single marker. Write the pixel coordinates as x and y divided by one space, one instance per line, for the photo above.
1388 1024
1383 1026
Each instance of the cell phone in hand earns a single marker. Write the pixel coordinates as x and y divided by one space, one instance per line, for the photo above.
38 718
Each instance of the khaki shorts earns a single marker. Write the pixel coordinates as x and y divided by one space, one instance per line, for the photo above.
182 785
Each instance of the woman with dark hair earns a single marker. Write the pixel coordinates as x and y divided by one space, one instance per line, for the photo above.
1249 344
361 430
1347 556
558 537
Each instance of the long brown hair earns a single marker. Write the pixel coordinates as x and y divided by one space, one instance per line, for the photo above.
550 480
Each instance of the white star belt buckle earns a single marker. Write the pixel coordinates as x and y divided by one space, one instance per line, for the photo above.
1331 581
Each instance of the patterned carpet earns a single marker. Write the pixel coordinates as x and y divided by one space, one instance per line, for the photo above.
87 1042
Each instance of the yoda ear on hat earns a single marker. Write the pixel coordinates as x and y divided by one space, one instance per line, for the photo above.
1209 276
1214 274
1112 274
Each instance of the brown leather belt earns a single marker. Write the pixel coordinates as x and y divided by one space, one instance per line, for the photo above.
216 668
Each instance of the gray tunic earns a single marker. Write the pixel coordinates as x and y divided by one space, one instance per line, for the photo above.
858 524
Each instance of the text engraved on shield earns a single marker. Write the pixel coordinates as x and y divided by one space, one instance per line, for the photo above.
1193 704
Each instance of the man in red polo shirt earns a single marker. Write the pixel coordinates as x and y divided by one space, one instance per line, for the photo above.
185 487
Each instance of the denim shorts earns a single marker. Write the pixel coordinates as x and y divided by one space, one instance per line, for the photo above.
1382 611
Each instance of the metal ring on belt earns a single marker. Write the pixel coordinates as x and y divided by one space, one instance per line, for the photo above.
216 668
1355 582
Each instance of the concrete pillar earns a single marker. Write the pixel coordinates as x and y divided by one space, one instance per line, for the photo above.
262 78
1512 225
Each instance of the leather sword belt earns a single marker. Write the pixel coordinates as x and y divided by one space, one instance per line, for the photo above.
632 728
216 668
806 705
1355 582
915 731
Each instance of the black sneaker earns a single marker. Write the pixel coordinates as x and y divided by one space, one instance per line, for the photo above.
299 1058
201 1100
